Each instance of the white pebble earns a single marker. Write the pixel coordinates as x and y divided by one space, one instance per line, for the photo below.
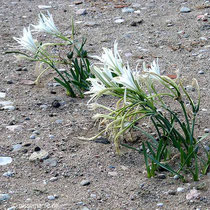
51 197
53 179
51 136
180 189
44 6
119 21
2 95
6 103
93 195
160 204
12 208
207 130
9 108
137 12
204 110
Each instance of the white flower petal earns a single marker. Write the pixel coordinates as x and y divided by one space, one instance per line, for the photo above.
26 41
46 24
154 69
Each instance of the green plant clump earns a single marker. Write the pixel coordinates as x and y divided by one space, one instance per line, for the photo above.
68 53
164 102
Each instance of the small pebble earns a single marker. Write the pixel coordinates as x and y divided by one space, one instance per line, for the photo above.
119 21
41 155
185 10
161 176
189 88
84 182
44 6
12 208
5 160
53 179
53 92
9 82
159 204
56 84
59 121
43 106
81 12
207 130
51 136
171 192
124 168
19 69
2 95
176 177
52 162
16 147
137 12
193 194
181 32
56 104
4 197
37 149
14 128
6 103
136 23
8 174
180 189
203 39
128 54
204 110
201 72
33 136
51 197
93 195
112 173
36 132
78 2
9 108
80 203
186 35
127 10
207 148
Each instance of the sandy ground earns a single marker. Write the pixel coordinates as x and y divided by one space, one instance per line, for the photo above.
179 40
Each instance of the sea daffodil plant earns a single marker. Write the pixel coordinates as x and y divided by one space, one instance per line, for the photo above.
148 95
76 66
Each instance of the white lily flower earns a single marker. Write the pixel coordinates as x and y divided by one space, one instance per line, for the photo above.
112 59
154 69
96 88
26 41
46 24
127 79
104 75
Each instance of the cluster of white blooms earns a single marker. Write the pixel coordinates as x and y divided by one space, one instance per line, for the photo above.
46 24
114 73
